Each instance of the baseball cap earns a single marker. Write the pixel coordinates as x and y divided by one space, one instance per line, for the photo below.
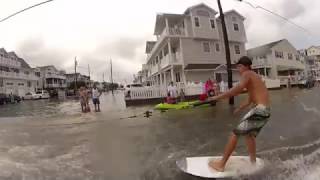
245 60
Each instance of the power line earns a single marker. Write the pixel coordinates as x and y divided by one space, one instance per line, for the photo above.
14 14
278 15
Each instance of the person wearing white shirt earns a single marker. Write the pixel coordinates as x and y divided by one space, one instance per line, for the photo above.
95 98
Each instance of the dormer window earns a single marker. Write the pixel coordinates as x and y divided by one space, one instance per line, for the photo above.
235 27
196 21
213 25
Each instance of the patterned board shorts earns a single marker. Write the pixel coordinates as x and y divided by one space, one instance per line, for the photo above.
253 121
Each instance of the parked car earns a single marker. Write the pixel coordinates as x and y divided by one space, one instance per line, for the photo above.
308 82
5 99
128 88
28 96
41 95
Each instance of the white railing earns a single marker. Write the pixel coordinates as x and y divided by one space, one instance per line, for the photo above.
155 69
177 31
191 89
55 76
56 85
284 80
165 61
13 75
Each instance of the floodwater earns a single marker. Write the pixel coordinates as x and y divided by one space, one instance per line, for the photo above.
51 139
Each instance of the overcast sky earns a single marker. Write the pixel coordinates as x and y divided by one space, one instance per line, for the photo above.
97 30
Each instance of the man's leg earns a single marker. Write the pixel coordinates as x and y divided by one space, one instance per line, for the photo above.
220 165
251 143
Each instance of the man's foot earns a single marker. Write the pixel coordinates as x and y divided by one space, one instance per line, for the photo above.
217 165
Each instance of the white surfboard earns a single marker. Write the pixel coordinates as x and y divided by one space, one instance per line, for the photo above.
236 166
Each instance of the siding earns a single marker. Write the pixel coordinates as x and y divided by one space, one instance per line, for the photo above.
193 52
205 30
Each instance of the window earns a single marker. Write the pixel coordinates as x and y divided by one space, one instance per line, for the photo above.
212 24
206 47
237 49
279 54
196 22
9 83
1 82
20 84
29 84
236 27
217 47
290 56
297 57
178 77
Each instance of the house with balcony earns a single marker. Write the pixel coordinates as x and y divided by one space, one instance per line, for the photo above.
16 76
278 60
83 79
190 47
312 58
51 78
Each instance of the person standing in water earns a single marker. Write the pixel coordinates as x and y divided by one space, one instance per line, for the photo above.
95 98
251 124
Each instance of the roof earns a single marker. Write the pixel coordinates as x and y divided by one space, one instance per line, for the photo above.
13 54
24 64
149 46
187 11
3 50
227 13
262 50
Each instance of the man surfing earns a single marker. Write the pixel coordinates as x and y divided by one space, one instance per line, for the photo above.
250 125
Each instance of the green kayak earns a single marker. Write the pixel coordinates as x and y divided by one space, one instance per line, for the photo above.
180 105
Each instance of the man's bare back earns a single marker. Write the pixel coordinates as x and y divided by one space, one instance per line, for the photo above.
257 90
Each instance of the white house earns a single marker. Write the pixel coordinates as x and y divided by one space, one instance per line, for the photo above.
16 76
278 60
190 47
51 78
312 56
70 78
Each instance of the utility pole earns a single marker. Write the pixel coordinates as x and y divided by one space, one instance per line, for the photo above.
111 76
75 75
227 50
103 83
89 76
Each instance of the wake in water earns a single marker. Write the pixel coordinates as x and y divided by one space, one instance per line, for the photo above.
294 163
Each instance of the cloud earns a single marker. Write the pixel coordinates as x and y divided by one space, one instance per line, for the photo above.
292 9
36 52
127 55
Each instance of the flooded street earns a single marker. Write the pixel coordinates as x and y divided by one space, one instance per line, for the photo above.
50 139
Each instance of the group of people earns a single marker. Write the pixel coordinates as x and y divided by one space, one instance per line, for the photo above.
85 94
210 88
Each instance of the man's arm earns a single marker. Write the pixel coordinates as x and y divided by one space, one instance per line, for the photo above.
233 91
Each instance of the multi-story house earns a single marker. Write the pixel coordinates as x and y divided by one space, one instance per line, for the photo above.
278 60
16 76
190 46
312 56
51 78
70 78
